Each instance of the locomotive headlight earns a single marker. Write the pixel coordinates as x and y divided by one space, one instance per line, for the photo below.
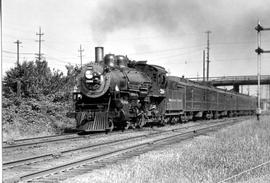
88 74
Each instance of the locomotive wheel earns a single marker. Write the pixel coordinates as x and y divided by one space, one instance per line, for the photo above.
173 120
141 121
167 120
215 115
177 119
183 118
111 125
129 125
164 120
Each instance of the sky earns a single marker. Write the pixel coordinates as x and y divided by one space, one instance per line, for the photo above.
169 33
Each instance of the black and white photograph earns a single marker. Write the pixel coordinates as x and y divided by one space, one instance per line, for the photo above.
135 91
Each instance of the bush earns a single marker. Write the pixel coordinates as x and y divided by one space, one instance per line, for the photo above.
37 80
43 102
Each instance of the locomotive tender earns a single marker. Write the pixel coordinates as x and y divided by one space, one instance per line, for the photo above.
115 92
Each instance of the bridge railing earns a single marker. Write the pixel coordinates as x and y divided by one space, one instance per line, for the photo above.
232 78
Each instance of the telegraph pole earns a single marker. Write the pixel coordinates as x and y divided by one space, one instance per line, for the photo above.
80 51
18 53
268 92
259 51
207 56
203 65
39 34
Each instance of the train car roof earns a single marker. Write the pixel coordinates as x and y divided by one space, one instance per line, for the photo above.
188 82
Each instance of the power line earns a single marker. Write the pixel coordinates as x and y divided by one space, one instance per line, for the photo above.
166 50
15 37
57 50
59 60
50 57
12 52
177 55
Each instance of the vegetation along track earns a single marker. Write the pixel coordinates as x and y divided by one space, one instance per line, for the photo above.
38 140
102 153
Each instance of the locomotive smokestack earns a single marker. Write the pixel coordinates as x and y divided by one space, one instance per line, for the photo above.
99 54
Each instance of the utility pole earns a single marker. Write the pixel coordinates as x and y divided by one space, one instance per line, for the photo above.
207 58
268 97
18 82
39 34
203 65
18 48
80 51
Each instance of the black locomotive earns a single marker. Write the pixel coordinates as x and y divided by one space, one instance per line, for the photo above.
115 92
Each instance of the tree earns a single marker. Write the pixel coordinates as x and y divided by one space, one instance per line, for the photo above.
38 80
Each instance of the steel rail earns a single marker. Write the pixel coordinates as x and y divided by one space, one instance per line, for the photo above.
35 138
45 141
34 159
74 164
40 142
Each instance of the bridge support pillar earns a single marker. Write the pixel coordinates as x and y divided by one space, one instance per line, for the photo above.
236 88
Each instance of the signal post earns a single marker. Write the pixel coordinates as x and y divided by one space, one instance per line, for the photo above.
259 51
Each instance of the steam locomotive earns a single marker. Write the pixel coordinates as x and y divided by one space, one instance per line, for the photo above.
115 92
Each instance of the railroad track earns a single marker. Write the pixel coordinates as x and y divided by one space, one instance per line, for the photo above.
42 157
128 146
38 140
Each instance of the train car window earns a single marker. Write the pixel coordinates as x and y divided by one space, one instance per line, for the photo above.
163 79
159 78
179 86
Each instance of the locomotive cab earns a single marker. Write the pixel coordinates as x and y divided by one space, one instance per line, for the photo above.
155 108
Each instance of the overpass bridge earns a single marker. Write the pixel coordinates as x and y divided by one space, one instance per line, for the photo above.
235 81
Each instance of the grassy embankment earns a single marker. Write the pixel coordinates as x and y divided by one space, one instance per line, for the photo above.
24 118
210 158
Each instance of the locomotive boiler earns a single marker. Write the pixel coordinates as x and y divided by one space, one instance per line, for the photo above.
109 94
